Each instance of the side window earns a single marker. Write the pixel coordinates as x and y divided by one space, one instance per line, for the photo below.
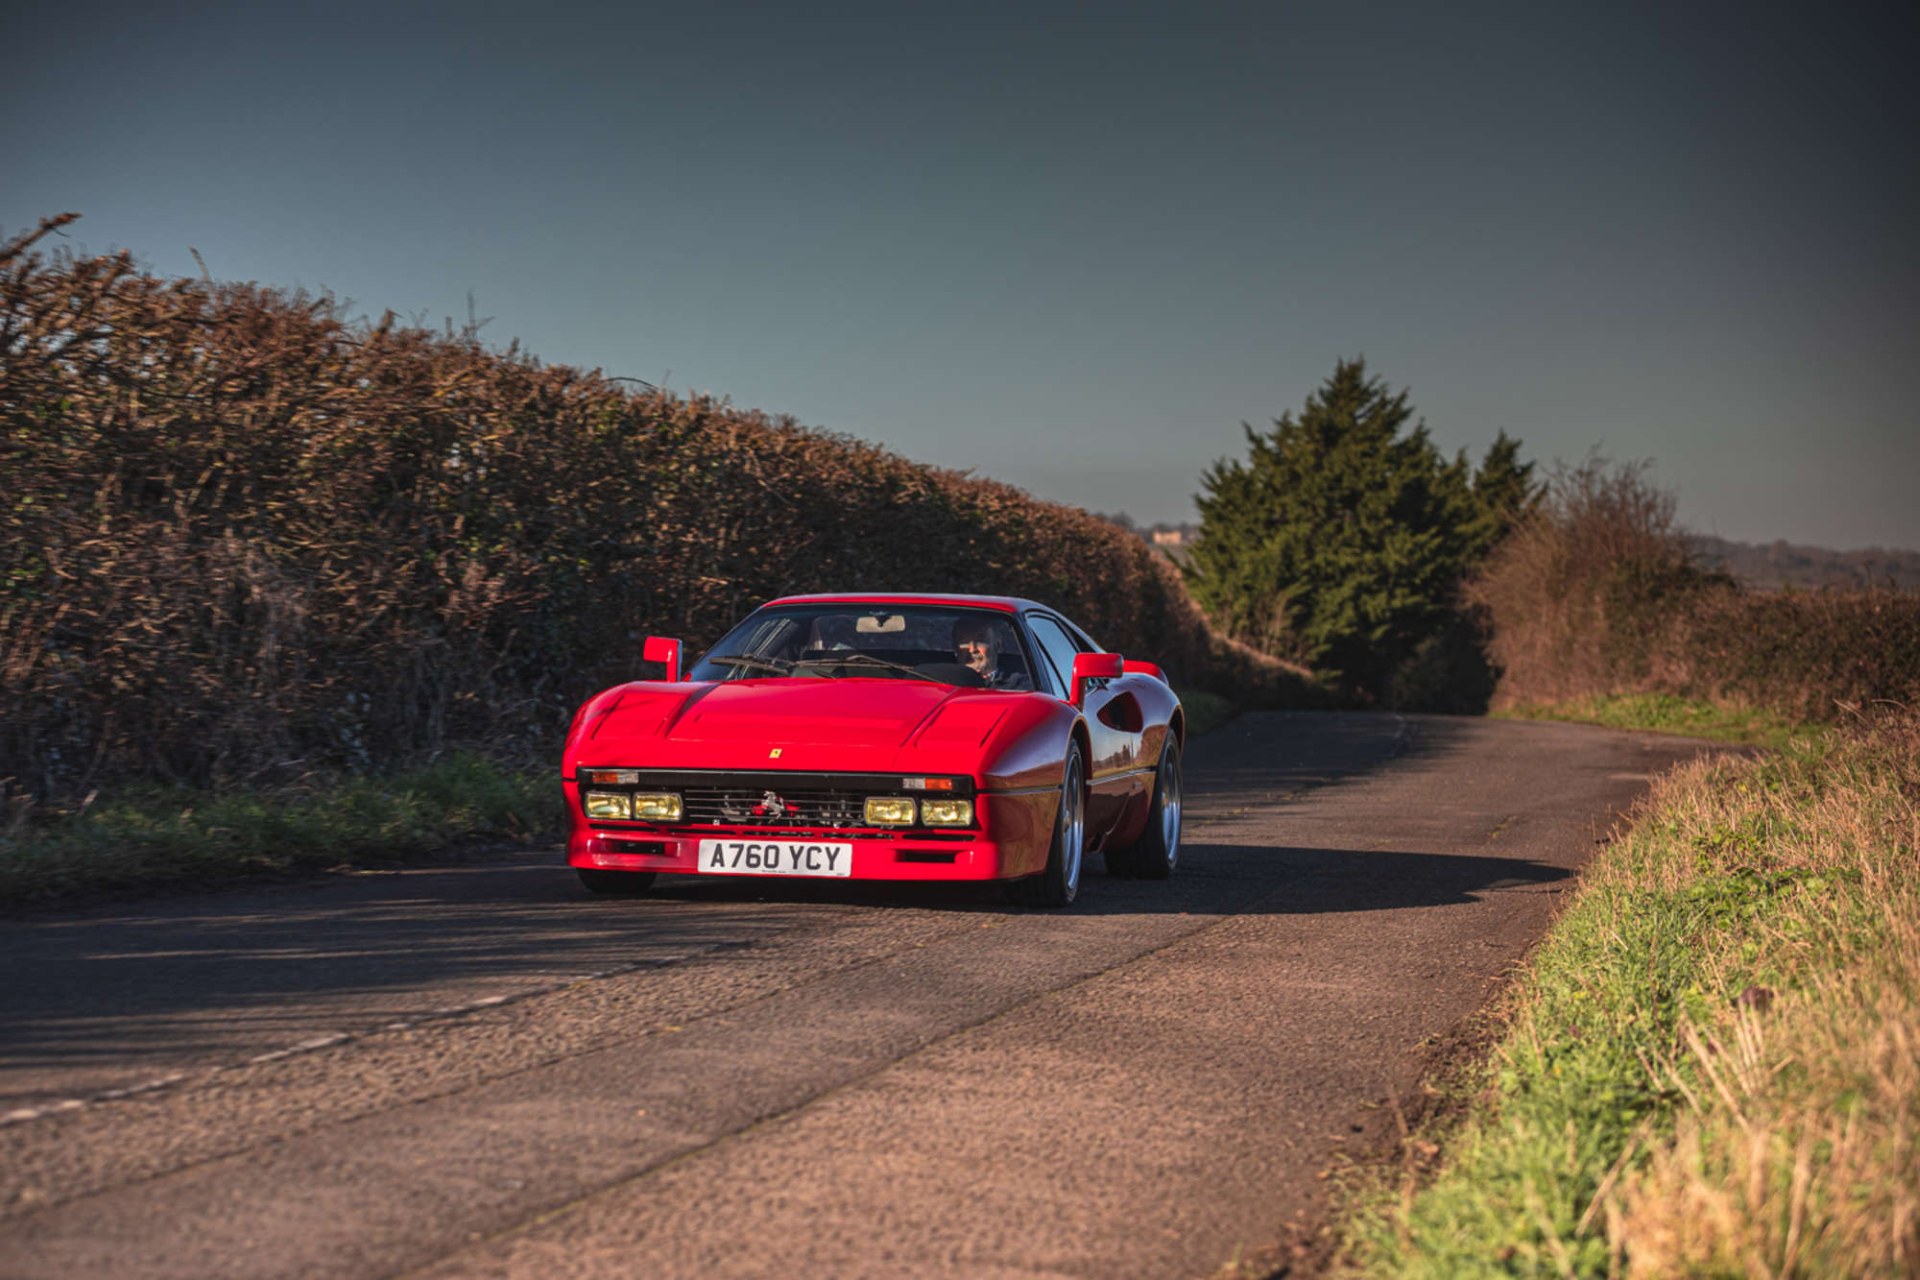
1057 647
1081 642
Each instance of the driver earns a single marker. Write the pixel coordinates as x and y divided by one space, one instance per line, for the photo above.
978 644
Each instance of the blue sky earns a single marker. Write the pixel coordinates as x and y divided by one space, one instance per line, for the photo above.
1073 247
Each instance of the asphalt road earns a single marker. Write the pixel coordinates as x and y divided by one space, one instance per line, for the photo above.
480 1070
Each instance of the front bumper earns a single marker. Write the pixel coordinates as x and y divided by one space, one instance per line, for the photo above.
1011 841
875 857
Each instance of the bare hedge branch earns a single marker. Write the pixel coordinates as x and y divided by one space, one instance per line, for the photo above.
1596 593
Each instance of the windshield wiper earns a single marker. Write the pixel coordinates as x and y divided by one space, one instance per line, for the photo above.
868 660
781 665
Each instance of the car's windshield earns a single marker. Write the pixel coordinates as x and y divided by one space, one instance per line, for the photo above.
974 648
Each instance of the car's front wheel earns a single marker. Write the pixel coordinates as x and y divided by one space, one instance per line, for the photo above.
619 884
1059 884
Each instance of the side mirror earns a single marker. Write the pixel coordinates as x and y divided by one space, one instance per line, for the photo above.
661 649
1093 666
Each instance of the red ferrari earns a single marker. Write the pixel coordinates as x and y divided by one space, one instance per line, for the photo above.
881 737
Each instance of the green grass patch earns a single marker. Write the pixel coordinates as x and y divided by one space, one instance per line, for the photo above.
146 836
1206 711
1664 713
1708 1067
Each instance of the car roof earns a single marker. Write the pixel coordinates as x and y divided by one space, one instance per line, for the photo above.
1005 604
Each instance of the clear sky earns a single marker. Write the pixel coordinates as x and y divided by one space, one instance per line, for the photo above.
1073 246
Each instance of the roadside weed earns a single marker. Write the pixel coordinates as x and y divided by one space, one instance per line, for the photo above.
1665 713
1712 1065
151 835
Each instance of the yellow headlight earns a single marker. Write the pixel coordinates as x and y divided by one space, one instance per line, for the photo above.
889 811
606 804
658 808
946 813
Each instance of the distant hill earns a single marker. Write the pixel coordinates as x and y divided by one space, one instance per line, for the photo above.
1786 564
1767 566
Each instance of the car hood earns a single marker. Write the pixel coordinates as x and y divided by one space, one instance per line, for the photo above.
838 713
870 719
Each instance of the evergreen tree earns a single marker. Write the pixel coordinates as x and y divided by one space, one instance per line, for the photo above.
1504 491
1340 541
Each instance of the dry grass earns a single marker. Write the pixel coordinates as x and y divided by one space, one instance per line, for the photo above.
1797 1151
1710 1065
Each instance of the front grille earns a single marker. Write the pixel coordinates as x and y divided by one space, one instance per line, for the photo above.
769 802
919 835
728 806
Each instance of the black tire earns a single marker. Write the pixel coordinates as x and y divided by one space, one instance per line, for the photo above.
1154 854
1059 884
617 884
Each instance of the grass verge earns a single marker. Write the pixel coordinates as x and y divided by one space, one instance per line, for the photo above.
1664 713
153 836
1206 711
1712 1064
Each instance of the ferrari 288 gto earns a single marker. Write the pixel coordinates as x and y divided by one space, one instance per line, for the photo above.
881 737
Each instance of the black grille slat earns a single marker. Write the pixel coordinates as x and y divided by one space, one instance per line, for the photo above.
732 806
725 800
799 782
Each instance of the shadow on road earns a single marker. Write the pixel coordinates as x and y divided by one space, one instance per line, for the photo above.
1214 879
106 982
1289 881
1280 754
156 971
103 982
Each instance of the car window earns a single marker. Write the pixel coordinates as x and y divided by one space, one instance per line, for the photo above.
1045 677
1057 646
848 640
1081 640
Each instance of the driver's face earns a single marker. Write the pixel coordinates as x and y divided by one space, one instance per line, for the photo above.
974 651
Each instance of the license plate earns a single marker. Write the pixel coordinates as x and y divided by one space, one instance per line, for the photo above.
775 858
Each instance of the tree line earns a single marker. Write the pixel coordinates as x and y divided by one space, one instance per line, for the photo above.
1345 541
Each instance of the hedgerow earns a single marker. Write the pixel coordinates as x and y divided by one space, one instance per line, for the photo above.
244 535
1596 593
